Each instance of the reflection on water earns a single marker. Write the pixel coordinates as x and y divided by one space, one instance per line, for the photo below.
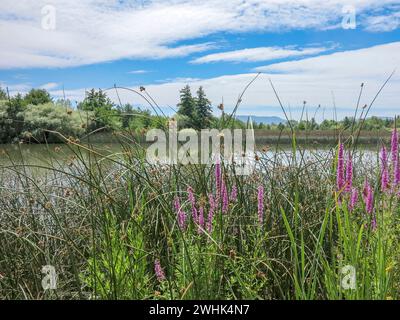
61 155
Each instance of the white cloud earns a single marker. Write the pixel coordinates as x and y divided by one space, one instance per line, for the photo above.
183 80
93 31
368 62
311 79
138 72
383 23
49 86
259 54
15 88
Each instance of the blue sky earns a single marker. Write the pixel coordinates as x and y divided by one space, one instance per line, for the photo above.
300 45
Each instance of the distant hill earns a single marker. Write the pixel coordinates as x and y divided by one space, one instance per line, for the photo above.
262 119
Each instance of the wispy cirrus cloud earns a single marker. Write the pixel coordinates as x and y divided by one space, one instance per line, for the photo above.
371 62
138 71
259 54
383 23
94 31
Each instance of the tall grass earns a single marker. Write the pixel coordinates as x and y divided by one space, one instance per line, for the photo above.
117 227
104 219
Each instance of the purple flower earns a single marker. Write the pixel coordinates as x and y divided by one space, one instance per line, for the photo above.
192 201
349 174
373 223
181 215
201 220
340 168
210 213
233 196
384 172
395 157
396 173
225 200
353 199
159 271
260 197
218 177
395 146
368 196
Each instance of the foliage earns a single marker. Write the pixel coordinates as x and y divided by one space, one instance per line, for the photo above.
105 115
194 112
105 220
186 106
3 94
11 119
202 110
36 97
39 120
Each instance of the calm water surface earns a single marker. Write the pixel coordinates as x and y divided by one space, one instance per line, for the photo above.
59 154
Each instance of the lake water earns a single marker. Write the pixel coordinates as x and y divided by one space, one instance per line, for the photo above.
61 154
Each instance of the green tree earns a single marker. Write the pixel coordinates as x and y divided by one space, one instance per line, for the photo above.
11 118
203 114
104 113
126 112
39 119
187 105
281 126
313 124
302 125
347 122
142 119
3 94
36 97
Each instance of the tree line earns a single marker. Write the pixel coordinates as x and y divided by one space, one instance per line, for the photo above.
33 116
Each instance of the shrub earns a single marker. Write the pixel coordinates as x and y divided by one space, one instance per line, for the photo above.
41 119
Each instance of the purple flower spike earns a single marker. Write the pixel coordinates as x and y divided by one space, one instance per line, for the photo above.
340 168
384 171
349 174
395 157
396 173
218 177
353 199
395 146
210 213
233 196
181 215
201 220
373 223
368 197
192 201
260 197
225 200
159 271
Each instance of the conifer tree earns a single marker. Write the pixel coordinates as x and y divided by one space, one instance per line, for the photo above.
187 105
202 111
